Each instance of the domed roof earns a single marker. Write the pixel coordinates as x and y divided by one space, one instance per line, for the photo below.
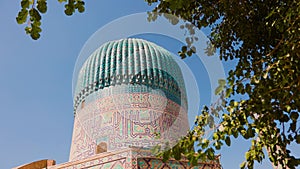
129 61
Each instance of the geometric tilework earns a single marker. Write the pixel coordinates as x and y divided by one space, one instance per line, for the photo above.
129 61
156 163
133 158
129 119
127 92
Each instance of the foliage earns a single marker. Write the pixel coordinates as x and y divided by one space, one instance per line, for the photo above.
31 11
263 36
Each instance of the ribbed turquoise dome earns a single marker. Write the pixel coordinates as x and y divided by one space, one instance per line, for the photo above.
133 62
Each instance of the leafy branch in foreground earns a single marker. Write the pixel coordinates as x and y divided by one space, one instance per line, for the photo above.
263 37
185 146
262 93
31 11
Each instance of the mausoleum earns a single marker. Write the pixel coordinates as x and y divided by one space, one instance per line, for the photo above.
130 96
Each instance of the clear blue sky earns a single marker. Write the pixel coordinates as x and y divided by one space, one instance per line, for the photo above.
36 81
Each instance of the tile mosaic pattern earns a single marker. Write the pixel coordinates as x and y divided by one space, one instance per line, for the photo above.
133 158
126 119
156 163
127 91
129 61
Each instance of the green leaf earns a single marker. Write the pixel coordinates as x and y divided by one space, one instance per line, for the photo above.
182 55
190 52
243 165
184 49
228 141
219 90
22 16
25 4
193 48
294 116
68 10
166 155
174 20
27 29
210 50
228 92
288 108
194 161
222 82
248 88
34 15
35 35
297 139
81 9
293 126
247 156
177 155
156 149
250 133
217 145
205 144
80 6
215 136
188 41
42 6
210 153
235 133
284 118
